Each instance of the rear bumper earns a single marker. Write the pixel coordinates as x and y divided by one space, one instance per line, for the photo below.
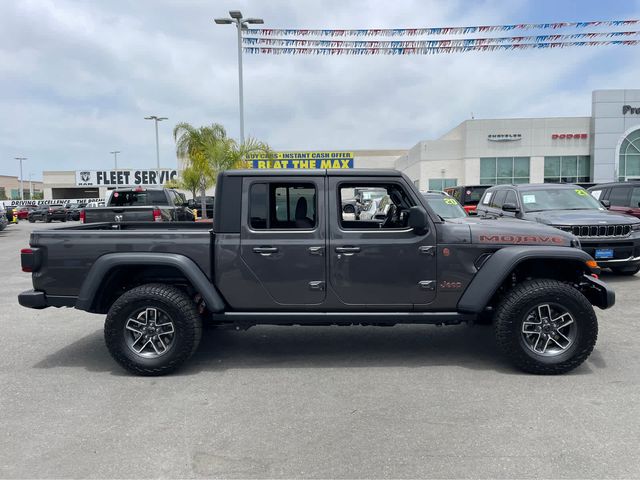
598 292
38 300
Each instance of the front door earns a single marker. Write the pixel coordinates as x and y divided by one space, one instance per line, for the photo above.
375 259
282 241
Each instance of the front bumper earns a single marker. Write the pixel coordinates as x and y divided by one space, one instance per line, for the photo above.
626 251
597 292
39 300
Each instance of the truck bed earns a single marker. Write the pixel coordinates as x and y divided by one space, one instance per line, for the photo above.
69 252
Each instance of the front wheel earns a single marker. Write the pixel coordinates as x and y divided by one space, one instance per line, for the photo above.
152 329
546 327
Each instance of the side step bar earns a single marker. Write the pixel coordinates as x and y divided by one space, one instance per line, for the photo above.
341 318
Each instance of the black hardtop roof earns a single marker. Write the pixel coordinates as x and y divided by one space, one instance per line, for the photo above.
286 172
536 186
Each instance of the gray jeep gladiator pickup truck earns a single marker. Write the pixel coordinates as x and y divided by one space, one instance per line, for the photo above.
284 251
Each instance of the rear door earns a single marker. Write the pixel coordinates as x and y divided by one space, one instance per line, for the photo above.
282 241
620 198
634 204
379 262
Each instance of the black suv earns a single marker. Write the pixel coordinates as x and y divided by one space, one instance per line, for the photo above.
612 238
623 197
47 213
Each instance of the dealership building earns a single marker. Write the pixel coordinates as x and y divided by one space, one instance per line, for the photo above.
602 147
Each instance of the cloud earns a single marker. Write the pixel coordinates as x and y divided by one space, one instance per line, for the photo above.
77 78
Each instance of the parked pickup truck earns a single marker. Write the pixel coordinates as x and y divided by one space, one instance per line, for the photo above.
141 205
283 251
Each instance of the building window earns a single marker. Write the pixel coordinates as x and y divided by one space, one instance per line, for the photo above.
442 183
417 184
504 170
567 169
629 167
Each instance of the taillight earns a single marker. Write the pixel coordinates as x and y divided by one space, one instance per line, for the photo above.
157 215
50 209
29 259
83 216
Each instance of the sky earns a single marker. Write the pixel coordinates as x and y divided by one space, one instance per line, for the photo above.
78 77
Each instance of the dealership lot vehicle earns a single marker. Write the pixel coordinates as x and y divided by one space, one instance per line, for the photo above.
22 212
3 218
269 260
73 210
467 195
140 205
48 213
445 206
612 238
621 197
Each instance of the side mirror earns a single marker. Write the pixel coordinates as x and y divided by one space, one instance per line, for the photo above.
418 220
510 207
349 208
605 203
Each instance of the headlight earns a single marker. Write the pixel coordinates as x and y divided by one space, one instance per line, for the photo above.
635 227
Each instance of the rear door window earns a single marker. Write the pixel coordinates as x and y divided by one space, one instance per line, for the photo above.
282 206
619 196
498 199
138 199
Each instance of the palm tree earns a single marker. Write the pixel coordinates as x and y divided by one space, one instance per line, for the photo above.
189 180
208 151
198 147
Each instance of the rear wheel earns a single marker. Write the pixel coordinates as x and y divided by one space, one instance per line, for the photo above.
152 329
628 271
546 327
31 220
47 219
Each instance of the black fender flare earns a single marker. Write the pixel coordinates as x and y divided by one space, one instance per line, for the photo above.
496 269
188 267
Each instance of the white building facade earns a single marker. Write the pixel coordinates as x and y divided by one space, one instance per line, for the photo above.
601 148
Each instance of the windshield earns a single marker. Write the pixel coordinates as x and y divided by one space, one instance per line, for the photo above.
558 199
446 207
136 199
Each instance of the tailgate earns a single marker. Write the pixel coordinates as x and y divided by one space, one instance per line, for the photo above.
119 214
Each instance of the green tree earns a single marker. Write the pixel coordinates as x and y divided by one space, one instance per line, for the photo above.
189 180
208 151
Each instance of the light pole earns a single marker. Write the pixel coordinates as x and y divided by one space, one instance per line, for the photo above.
115 161
156 119
241 23
20 159
30 187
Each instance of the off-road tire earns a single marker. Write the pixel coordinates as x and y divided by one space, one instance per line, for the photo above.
512 312
182 312
626 271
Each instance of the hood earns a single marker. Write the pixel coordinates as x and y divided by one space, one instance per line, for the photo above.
508 231
582 217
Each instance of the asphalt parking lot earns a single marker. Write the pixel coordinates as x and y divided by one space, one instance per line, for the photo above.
330 402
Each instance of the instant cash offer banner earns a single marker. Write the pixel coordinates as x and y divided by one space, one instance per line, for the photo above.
302 160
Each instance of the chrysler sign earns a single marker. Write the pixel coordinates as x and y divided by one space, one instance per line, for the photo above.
113 178
504 137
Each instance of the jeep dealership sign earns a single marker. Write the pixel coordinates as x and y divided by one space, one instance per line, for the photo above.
114 178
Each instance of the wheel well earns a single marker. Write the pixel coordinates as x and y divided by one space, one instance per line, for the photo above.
567 271
122 278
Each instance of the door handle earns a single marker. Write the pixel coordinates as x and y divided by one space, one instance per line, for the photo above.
319 251
347 251
265 251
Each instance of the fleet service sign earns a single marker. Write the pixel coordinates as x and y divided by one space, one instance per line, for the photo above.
302 160
113 178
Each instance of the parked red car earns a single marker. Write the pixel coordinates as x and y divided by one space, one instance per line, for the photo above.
23 212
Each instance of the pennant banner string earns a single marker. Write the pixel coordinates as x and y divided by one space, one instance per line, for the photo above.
398 32
296 42
428 50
